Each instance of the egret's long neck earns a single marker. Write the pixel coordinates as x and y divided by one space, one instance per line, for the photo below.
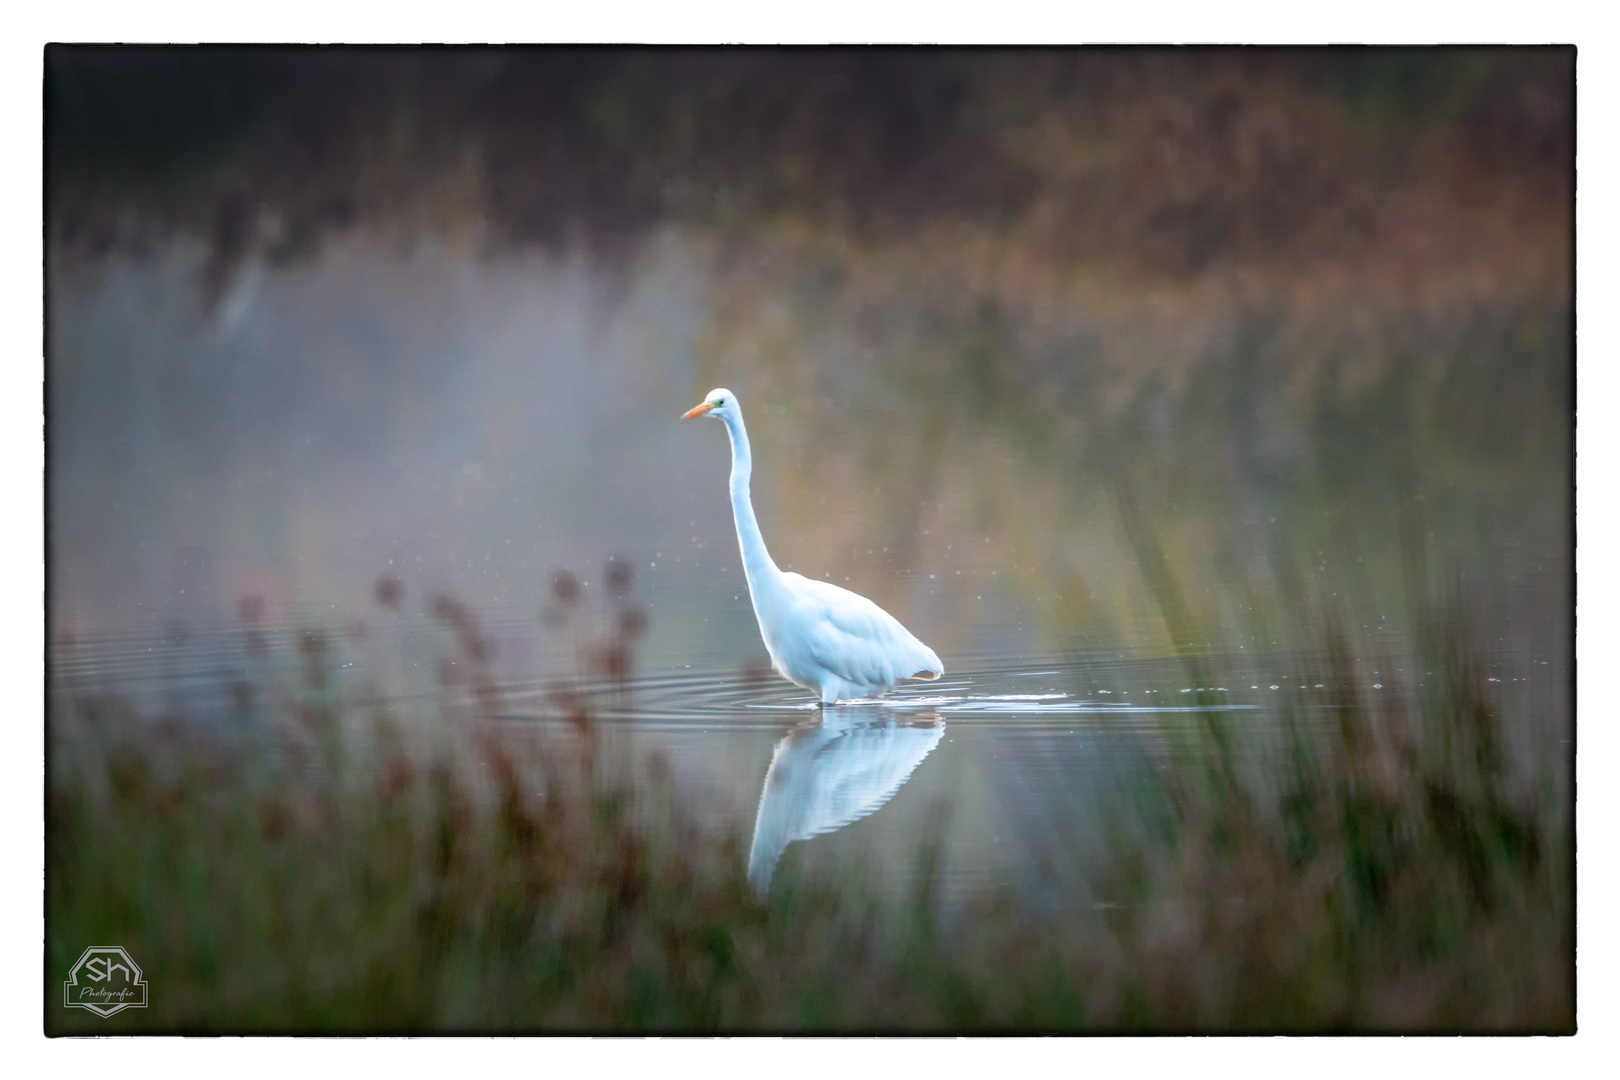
762 572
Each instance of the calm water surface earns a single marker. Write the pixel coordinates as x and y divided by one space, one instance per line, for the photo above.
1006 769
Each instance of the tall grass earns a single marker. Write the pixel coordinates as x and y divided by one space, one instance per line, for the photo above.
352 863
1388 874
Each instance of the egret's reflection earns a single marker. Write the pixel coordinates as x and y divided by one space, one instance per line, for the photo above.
828 774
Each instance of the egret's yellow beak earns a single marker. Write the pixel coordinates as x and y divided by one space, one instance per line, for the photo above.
692 414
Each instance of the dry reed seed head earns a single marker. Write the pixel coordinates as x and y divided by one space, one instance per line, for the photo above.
632 622
481 648
620 574
613 660
565 587
449 610
388 591
274 813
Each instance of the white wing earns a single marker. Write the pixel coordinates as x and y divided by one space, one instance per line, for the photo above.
855 639
825 777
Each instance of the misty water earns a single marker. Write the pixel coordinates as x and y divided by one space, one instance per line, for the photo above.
232 471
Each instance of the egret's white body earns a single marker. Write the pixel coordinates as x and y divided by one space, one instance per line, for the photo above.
826 639
830 774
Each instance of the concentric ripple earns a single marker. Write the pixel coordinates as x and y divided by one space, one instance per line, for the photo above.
989 694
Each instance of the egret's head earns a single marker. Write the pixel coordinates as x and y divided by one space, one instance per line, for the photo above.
718 403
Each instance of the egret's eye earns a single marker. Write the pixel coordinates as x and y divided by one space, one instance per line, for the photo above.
717 402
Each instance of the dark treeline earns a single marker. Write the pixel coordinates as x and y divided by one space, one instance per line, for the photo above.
1168 161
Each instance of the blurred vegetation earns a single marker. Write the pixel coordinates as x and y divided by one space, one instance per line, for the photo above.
1268 457
318 859
1163 165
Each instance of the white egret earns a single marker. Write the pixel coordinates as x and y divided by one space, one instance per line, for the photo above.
826 639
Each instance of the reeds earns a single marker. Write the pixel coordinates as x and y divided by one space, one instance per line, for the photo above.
1387 867
361 866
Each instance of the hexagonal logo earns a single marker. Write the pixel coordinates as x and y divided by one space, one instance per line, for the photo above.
105 981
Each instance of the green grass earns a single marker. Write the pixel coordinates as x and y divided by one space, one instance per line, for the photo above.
356 867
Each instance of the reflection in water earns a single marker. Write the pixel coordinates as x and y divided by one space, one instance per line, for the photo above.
832 773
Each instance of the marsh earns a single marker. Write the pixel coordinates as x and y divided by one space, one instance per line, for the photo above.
1208 413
